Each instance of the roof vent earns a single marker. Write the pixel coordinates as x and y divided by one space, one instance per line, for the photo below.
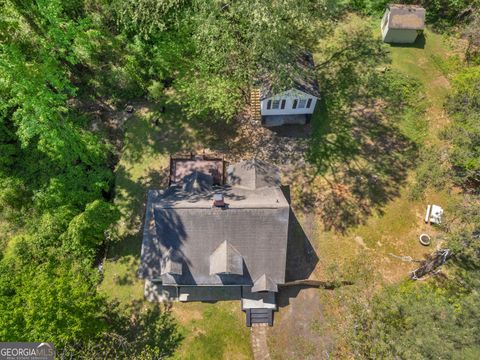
218 200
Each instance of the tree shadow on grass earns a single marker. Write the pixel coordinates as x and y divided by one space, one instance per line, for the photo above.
150 134
358 155
362 161
131 198
153 132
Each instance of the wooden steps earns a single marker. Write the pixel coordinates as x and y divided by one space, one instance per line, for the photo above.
259 316
255 105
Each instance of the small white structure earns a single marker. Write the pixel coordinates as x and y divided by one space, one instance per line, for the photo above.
294 105
402 23
434 214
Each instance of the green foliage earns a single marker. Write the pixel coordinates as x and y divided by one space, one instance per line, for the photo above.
34 69
466 89
366 6
85 233
354 73
213 50
440 13
464 133
432 170
444 13
419 321
147 334
460 162
148 18
463 226
53 301
53 178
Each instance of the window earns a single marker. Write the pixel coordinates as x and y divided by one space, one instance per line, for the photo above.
309 103
282 106
269 104
295 102
301 103
276 104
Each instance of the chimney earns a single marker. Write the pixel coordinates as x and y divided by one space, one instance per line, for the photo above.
218 200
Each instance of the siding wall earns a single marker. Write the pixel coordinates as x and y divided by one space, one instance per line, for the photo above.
289 96
383 24
400 36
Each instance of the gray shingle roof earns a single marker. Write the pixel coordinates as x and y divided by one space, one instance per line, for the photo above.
253 174
169 266
226 260
264 283
252 230
304 79
406 17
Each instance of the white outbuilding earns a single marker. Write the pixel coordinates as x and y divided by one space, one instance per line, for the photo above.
295 104
402 24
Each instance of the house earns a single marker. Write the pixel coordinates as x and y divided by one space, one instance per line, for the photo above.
296 103
209 242
402 23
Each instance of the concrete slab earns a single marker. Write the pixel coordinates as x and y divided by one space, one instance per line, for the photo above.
278 120
258 300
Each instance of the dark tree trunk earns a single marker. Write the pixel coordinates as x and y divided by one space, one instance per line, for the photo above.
434 261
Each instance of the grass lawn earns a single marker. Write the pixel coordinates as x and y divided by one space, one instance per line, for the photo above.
213 331
395 227
363 252
210 331
378 220
429 64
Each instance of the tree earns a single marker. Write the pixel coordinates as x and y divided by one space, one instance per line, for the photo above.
85 232
419 321
464 133
215 50
52 180
53 301
146 334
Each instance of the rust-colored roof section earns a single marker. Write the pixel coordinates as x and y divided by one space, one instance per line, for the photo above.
406 17
182 167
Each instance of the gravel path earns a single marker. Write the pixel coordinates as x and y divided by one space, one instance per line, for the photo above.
258 335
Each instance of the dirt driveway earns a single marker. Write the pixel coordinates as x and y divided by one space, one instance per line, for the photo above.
296 333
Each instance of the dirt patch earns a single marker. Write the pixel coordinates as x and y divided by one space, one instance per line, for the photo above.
359 241
186 312
297 332
258 336
441 81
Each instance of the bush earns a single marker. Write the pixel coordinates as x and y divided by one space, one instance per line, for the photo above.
419 321
464 132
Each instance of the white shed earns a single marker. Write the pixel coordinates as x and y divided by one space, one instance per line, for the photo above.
293 105
402 23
